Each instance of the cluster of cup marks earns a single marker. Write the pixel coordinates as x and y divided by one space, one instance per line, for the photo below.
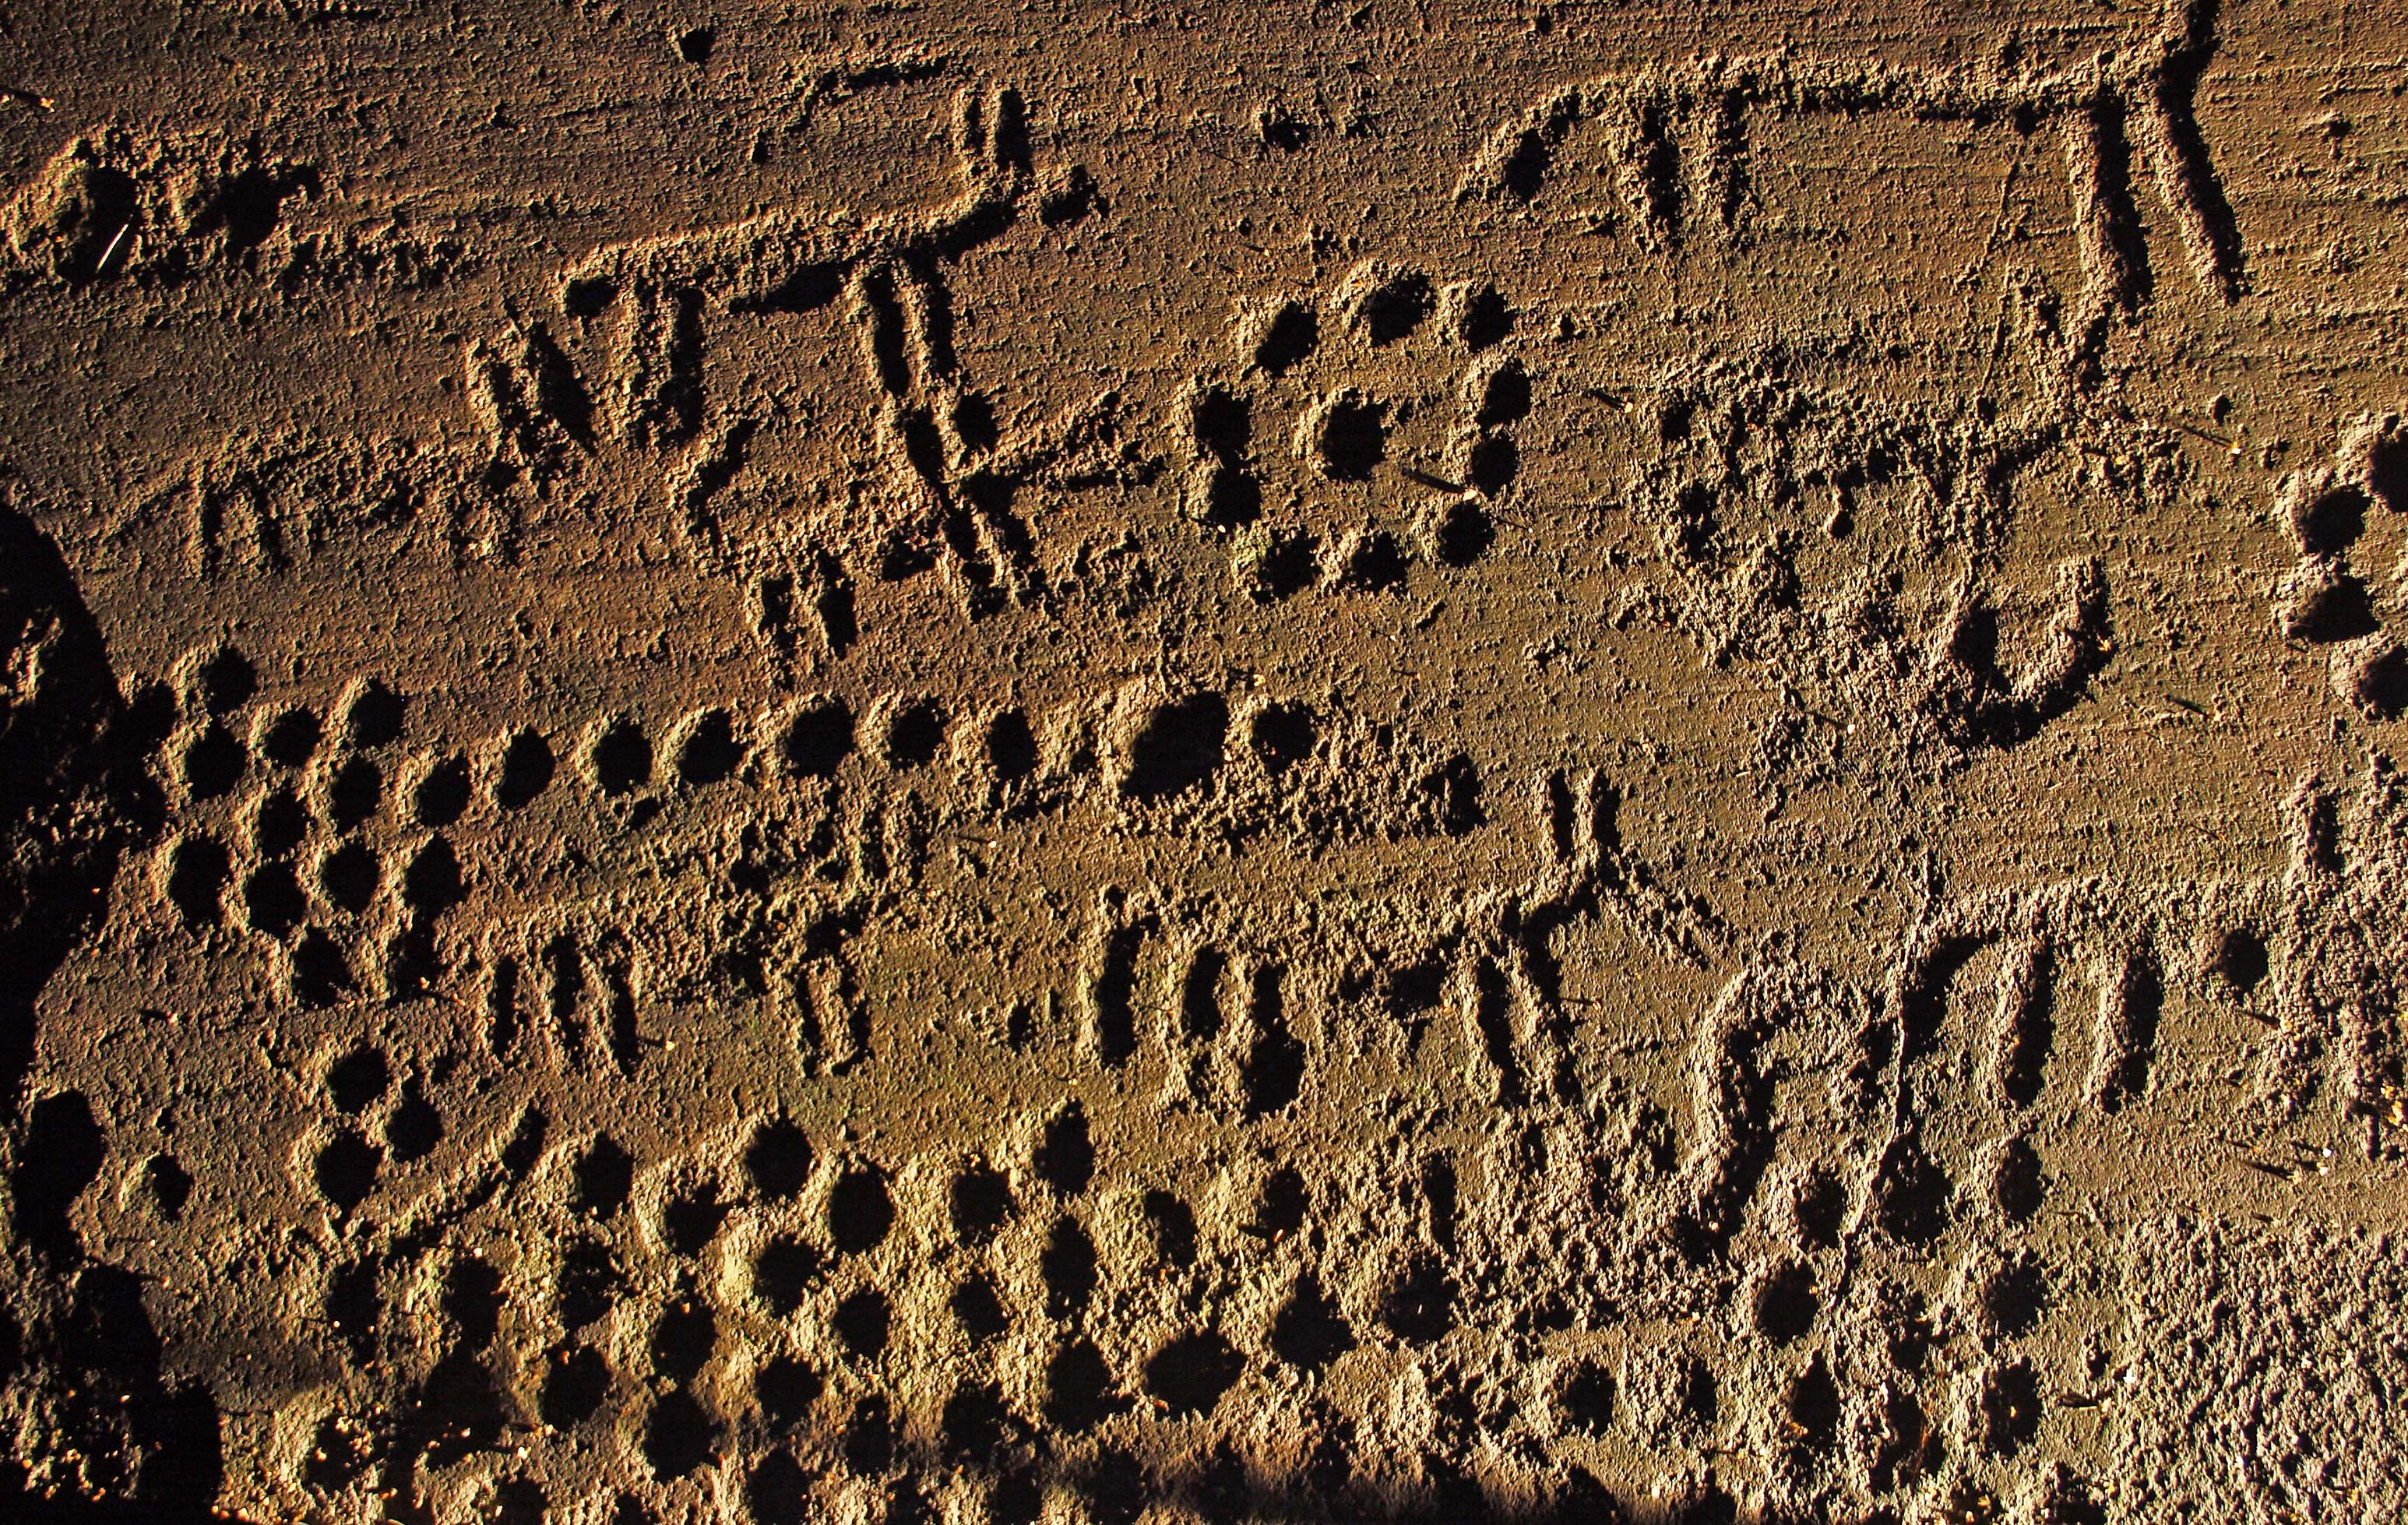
2322 601
1343 435
314 846
627 1276
1847 1327
1894 1425
316 865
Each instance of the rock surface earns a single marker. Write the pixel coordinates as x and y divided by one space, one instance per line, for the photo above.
1104 764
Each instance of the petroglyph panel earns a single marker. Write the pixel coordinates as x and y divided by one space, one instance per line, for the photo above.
922 763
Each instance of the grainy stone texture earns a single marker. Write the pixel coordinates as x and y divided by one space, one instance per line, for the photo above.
1387 761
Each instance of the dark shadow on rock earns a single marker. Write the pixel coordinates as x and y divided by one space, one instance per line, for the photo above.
74 792
75 796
